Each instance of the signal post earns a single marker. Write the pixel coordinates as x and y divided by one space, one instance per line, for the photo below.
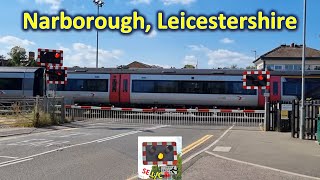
52 60
259 80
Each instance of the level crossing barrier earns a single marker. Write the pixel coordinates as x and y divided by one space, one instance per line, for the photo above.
223 117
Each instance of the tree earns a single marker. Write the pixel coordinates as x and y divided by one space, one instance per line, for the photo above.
18 56
251 67
234 66
189 66
2 59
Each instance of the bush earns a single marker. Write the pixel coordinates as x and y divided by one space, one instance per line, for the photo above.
42 119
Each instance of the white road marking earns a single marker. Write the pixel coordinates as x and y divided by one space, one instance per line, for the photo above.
261 166
70 135
15 162
221 149
6 163
8 157
38 142
208 147
31 134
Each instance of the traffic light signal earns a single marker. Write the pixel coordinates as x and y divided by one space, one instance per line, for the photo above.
256 80
159 153
56 75
48 57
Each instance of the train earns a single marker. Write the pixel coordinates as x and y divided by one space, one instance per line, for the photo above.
156 87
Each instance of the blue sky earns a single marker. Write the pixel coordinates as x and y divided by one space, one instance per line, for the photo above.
212 49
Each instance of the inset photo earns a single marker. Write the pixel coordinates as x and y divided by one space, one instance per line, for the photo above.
160 157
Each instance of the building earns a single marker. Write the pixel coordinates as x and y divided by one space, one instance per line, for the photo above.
3 61
289 58
136 64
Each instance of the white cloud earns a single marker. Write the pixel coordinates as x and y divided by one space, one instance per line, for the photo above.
184 2
227 41
198 48
152 34
190 59
140 1
15 41
226 58
223 57
85 56
54 4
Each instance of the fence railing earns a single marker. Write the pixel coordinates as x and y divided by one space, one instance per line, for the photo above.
168 116
311 112
30 111
288 119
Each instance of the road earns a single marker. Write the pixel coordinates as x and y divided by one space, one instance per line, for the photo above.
88 150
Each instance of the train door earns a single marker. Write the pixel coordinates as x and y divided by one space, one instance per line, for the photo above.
125 89
275 91
275 88
120 88
114 88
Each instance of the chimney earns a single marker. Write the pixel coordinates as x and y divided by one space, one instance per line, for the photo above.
292 45
31 55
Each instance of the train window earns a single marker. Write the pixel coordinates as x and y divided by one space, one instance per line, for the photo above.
143 86
97 85
292 87
237 88
167 86
215 88
195 87
125 85
275 88
114 85
10 84
28 84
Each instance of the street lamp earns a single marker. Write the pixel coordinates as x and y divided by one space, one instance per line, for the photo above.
99 4
302 108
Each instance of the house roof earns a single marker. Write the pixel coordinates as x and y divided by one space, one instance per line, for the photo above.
290 52
137 64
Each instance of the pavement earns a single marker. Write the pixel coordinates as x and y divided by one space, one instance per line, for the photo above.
104 150
243 154
86 150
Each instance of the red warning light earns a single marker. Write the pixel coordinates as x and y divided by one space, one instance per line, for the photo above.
57 55
260 78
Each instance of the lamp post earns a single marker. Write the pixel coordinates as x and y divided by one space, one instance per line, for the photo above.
302 108
99 4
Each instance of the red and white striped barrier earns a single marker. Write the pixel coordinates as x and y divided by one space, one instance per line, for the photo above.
164 110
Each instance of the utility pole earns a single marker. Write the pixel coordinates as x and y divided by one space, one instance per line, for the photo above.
99 4
302 107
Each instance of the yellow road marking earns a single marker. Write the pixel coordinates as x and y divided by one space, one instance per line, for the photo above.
195 144
186 149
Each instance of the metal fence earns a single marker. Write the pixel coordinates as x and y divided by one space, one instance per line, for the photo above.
285 117
167 116
279 118
30 111
312 109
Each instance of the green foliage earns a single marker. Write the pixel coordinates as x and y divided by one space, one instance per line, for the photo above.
251 67
179 166
189 66
234 66
18 57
